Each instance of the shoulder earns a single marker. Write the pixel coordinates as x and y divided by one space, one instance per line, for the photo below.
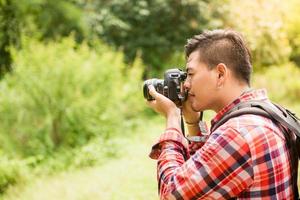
250 126
247 121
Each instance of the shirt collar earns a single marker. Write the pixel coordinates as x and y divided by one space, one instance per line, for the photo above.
260 94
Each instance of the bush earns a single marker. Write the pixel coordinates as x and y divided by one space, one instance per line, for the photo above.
11 172
62 95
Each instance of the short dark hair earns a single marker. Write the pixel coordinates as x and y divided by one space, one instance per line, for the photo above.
222 46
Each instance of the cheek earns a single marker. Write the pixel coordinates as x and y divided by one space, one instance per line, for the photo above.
197 82
204 92
200 84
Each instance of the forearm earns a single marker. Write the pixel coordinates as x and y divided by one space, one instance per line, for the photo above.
172 157
191 119
195 178
173 120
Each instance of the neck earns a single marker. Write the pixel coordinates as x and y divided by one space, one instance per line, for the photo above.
228 95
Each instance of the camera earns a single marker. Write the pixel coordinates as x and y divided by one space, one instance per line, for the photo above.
171 86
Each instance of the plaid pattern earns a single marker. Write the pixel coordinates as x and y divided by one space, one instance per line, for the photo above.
245 158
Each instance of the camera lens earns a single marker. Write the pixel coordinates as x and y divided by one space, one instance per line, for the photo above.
158 85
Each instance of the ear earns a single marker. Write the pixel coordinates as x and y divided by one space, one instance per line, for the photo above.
222 73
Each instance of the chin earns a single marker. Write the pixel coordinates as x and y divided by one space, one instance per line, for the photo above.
196 108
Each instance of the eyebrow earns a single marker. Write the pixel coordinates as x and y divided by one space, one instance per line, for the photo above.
189 69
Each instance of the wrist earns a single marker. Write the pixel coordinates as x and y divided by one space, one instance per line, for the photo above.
175 113
192 119
194 123
193 128
173 120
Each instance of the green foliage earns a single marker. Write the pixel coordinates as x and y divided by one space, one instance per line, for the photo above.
155 29
282 83
11 172
95 152
52 19
62 95
105 181
152 29
262 23
293 29
9 33
47 19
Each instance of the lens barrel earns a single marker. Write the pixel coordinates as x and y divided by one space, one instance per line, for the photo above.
171 86
158 84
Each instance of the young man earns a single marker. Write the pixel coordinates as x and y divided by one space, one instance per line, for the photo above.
246 157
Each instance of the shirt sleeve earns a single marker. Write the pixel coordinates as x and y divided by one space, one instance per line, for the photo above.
170 135
221 169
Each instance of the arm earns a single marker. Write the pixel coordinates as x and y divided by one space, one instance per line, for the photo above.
192 123
220 169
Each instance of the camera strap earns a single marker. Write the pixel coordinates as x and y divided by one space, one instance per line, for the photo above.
181 122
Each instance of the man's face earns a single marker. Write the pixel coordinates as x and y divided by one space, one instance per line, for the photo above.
201 83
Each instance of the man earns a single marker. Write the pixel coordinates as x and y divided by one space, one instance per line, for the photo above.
246 157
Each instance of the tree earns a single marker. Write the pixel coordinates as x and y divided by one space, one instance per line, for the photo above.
9 33
56 18
46 19
154 28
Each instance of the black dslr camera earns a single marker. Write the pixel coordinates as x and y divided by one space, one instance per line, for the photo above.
171 86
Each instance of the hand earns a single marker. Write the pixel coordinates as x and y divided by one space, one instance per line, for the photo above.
162 104
189 114
191 117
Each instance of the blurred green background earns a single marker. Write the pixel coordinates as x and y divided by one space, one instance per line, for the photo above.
73 122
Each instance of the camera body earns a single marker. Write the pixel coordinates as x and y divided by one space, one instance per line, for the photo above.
171 86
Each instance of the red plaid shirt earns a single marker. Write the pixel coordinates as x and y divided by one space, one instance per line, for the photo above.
245 158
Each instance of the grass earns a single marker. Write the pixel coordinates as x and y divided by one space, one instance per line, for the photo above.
132 176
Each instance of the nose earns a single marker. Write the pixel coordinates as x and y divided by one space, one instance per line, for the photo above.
186 84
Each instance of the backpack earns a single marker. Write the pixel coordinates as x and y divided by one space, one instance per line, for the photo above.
287 122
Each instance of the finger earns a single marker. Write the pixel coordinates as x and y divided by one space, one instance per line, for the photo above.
153 92
151 103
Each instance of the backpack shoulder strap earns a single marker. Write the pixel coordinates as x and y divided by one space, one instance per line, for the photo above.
265 109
